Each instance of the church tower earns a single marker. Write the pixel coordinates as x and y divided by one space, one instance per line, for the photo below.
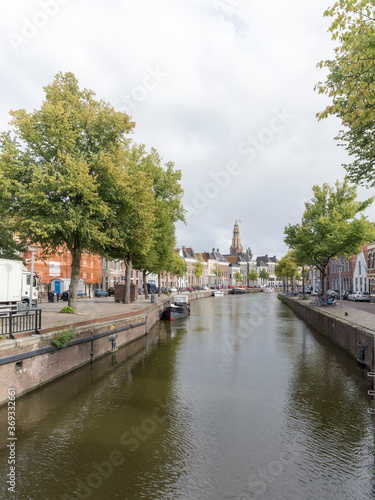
236 247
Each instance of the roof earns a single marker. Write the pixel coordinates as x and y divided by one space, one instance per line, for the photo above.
235 259
188 253
265 259
214 256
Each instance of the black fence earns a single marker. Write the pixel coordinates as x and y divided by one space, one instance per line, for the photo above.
25 321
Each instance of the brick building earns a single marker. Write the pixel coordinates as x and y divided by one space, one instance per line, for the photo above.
59 266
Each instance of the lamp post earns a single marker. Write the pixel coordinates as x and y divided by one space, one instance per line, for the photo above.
340 291
32 251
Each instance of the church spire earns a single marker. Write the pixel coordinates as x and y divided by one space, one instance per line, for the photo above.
236 247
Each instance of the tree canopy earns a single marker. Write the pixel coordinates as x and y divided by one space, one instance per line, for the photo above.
167 193
10 246
249 252
286 266
351 84
330 226
263 274
238 277
71 179
199 267
252 275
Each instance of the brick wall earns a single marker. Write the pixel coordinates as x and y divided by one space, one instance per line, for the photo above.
91 266
31 373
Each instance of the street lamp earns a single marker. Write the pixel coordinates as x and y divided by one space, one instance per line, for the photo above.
340 265
32 250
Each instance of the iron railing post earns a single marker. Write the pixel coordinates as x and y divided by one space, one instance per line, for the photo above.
11 336
38 320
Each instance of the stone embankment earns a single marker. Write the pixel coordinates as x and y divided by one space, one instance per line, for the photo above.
350 328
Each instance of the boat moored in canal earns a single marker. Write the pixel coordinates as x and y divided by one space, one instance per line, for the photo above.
178 309
239 290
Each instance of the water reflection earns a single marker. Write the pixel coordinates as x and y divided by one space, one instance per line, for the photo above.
240 400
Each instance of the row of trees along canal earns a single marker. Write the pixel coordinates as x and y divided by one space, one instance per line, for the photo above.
331 225
72 179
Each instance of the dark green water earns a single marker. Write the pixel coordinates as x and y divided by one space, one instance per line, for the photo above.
242 400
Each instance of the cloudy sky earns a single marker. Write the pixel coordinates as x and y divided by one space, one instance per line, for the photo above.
223 88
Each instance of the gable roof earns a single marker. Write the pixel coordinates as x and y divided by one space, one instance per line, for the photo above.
265 259
188 253
215 256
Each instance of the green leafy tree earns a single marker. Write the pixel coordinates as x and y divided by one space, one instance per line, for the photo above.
199 268
10 246
58 169
167 190
238 277
351 84
330 227
218 273
252 275
287 268
300 260
133 208
180 266
263 274
249 252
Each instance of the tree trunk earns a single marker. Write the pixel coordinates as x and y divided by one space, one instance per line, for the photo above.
128 270
144 273
76 253
303 280
323 278
159 284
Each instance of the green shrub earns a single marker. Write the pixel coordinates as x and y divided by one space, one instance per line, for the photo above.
64 337
67 309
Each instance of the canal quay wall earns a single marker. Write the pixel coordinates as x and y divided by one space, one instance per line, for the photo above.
346 327
29 362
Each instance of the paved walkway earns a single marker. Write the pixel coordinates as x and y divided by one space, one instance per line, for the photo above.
89 309
349 312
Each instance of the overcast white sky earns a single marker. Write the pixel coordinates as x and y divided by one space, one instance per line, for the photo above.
225 89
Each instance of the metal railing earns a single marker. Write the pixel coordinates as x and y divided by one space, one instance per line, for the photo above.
18 322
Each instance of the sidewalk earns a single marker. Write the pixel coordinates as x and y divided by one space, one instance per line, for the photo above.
348 313
90 309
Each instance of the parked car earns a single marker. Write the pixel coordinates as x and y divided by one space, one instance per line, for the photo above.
111 291
173 290
359 297
100 293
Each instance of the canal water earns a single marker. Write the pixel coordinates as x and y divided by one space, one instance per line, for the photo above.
242 400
